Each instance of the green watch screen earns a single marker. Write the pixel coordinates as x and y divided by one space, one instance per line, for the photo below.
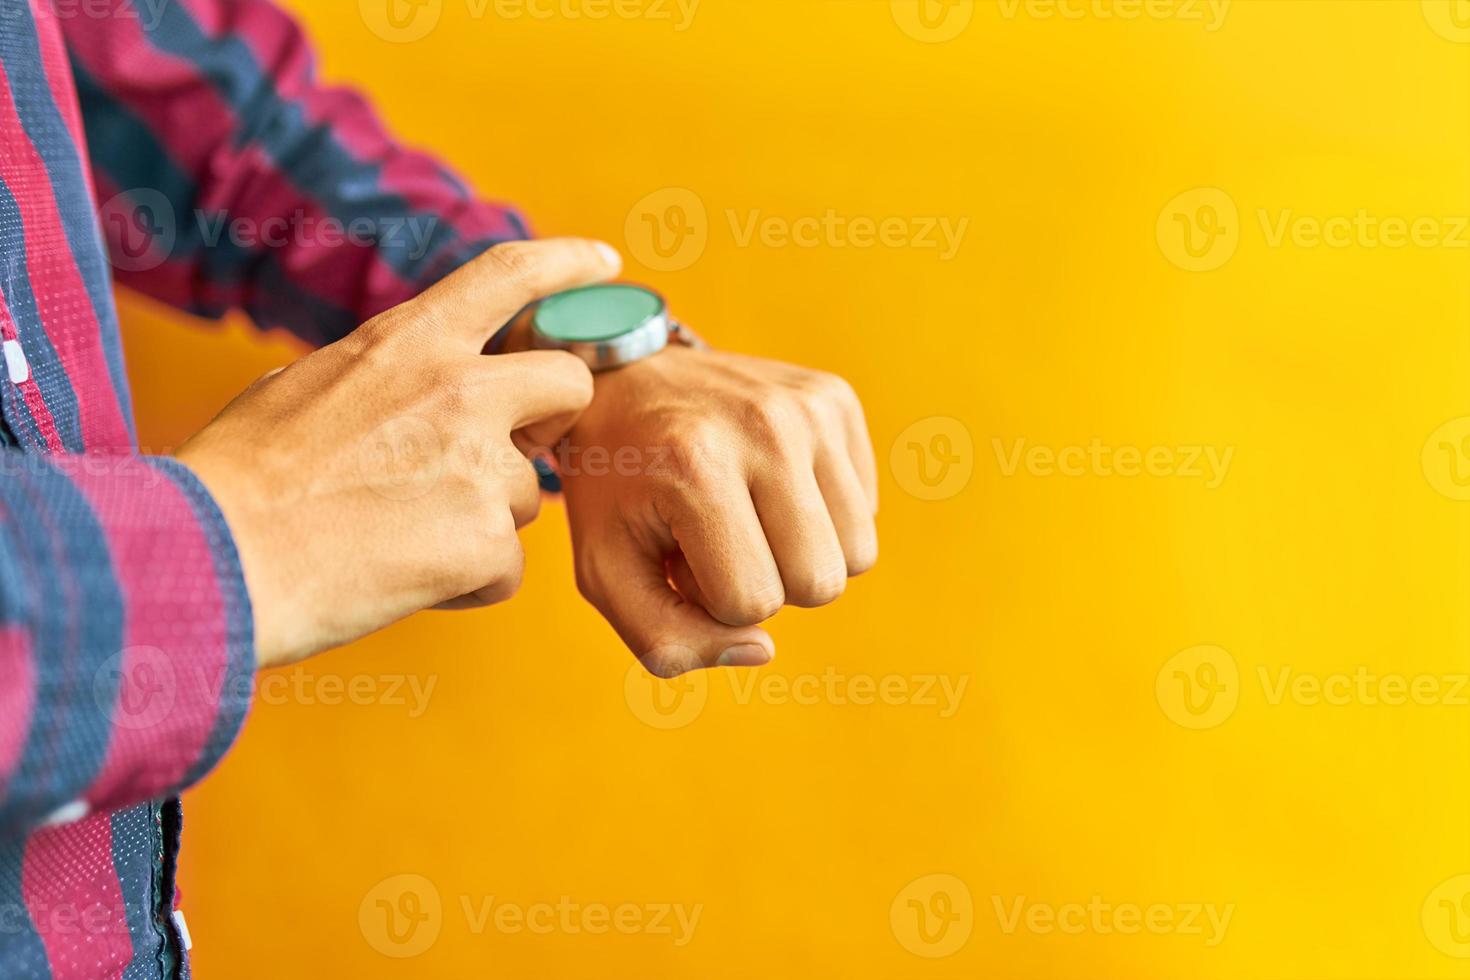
594 313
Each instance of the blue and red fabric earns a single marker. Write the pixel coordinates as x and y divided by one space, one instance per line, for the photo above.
132 137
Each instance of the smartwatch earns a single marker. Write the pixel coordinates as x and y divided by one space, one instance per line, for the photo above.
608 325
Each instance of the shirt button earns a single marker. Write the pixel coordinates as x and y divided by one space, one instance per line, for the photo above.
15 361
183 928
68 812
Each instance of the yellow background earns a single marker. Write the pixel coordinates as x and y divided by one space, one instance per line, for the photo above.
1073 767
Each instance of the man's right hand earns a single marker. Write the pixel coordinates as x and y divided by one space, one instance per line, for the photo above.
377 476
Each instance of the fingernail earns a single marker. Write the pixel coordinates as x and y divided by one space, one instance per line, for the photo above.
609 254
745 655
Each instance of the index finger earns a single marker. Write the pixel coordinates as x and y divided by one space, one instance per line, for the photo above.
477 299
547 389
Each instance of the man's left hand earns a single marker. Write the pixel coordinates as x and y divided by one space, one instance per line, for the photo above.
707 489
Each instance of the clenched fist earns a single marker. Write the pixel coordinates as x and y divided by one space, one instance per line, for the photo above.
722 487
378 476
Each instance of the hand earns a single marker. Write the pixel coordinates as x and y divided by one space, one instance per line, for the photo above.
377 476
745 483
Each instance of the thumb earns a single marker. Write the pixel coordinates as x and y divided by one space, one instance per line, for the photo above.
667 633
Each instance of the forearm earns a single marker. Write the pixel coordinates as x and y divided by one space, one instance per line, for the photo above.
266 190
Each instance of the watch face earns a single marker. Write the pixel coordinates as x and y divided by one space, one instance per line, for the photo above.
597 313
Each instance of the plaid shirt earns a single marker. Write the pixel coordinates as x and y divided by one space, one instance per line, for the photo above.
125 629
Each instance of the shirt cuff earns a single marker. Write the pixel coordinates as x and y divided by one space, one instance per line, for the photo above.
176 692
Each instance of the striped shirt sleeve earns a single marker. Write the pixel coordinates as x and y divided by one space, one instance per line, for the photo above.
126 647
230 177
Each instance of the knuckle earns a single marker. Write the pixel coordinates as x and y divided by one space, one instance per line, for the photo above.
753 606
371 352
464 563
514 261
698 460
772 416
589 582
405 320
498 590
527 504
513 568
490 529
689 482
832 388
528 511
349 351
863 557
264 379
502 561
827 399
817 587
371 332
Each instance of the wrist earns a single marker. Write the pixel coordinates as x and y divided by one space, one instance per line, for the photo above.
228 489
